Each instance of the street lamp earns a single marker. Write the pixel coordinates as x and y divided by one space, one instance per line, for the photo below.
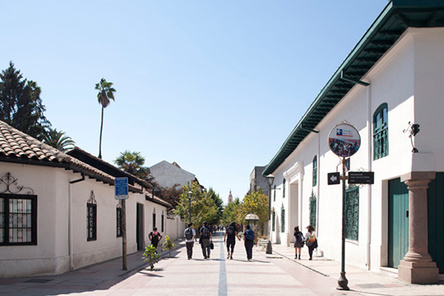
189 208
270 180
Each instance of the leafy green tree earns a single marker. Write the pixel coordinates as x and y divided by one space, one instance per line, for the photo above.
256 202
106 92
132 162
218 201
21 105
58 140
232 213
199 208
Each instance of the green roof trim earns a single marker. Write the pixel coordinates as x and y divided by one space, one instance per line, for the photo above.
388 27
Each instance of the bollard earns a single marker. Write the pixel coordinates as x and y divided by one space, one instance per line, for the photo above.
269 248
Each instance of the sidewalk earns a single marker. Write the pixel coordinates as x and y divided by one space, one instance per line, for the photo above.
275 275
360 280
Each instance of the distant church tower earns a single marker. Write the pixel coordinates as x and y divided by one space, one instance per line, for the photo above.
230 197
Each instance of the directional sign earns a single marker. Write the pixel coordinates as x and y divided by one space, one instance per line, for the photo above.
333 178
361 177
121 188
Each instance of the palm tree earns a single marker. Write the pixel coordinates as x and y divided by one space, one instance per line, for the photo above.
106 92
132 162
58 140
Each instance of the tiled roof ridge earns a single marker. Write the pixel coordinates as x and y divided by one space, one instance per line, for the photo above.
19 144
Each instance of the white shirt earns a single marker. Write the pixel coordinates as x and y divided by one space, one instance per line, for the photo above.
189 240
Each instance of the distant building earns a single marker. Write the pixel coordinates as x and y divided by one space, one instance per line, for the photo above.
230 197
168 174
257 181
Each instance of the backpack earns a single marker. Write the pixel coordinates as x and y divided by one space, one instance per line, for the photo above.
205 232
311 237
189 233
249 234
230 230
299 237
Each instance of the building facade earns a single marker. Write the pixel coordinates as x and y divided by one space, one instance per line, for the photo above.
168 174
58 213
389 89
257 181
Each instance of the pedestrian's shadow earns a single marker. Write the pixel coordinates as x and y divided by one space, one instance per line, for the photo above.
151 273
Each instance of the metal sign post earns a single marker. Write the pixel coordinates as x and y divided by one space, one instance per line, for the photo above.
344 141
121 193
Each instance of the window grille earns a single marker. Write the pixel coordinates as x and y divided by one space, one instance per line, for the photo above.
312 207
91 218
352 213
119 220
18 219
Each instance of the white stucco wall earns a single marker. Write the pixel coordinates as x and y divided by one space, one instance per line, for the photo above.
54 194
168 175
408 79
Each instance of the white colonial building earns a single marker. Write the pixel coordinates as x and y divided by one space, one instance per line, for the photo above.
59 213
390 85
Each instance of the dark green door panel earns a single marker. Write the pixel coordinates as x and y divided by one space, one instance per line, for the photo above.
435 208
398 224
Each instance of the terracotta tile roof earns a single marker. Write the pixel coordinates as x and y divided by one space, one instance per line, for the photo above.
14 143
16 146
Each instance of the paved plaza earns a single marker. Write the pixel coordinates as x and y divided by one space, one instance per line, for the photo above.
276 274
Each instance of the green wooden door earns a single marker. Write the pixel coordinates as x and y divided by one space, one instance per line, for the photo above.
398 224
435 209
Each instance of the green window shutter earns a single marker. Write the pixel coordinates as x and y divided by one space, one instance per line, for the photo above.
283 218
273 221
315 170
274 193
352 213
312 206
380 132
283 189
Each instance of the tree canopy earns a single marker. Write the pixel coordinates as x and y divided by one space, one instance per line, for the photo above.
132 162
21 105
104 97
196 207
58 140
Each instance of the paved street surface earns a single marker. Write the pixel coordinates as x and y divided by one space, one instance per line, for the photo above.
277 274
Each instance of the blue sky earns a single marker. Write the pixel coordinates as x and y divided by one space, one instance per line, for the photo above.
216 86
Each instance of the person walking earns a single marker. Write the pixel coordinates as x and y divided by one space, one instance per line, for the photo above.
190 235
230 236
155 237
311 240
205 239
298 242
249 239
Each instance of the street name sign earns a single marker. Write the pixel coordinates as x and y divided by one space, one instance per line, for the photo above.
333 178
121 188
361 177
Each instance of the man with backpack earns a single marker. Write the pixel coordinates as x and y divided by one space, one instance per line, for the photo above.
155 237
230 235
190 235
249 239
205 238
